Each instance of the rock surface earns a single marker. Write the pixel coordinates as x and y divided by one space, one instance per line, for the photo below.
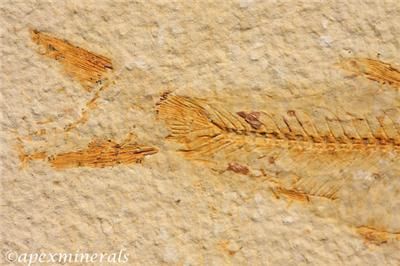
202 132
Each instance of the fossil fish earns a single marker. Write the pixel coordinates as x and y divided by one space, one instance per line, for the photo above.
205 129
214 135
301 158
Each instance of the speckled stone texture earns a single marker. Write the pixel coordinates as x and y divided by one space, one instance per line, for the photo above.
166 209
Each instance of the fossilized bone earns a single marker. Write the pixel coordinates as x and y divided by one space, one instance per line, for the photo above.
373 69
212 134
98 154
319 156
86 67
206 129
93 71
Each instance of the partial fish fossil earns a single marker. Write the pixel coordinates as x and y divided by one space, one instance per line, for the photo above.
99 154
205 129
314 154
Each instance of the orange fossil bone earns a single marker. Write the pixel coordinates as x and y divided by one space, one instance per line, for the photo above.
375 236
208 132
205 129
373 69
99 153
291 194
238 168
86 67
251 118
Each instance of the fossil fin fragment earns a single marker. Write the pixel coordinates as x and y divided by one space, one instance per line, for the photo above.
98 154
304 189
377 237
86 67
373 69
